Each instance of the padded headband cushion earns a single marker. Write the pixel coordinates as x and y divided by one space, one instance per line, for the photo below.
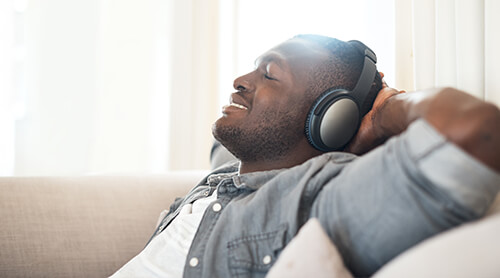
367 104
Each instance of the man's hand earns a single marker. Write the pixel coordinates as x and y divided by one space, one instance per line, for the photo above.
369 136
464 120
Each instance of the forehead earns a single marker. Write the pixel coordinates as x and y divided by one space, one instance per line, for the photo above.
295 53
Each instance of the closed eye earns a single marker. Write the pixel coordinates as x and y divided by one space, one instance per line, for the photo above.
269 77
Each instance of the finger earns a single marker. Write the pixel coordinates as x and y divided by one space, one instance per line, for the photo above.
384 84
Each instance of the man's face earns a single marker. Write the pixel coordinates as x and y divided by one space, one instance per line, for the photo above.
265 118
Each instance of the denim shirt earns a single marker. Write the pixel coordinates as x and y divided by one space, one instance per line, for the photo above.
373 207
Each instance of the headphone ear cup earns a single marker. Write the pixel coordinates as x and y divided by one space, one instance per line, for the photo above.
311 126
332 120
308 131
339 123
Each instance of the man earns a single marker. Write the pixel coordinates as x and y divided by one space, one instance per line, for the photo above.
439 169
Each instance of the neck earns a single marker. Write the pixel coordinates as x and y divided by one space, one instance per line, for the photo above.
297 157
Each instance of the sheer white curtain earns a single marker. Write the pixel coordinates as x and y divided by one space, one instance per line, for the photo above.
194 93
110 86
449 43
7 91
134 86
96 88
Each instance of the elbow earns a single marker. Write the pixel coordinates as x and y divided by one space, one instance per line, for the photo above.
471 124
479 124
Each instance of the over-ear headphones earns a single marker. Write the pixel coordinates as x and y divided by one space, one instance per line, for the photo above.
336 114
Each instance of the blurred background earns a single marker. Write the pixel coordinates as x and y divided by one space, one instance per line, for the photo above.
128 86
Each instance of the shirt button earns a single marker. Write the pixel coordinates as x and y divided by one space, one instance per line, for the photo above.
266 259
216 207
193 262
206 193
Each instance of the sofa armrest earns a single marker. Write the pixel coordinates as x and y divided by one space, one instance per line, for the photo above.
81 226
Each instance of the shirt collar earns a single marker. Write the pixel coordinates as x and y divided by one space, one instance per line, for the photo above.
252 181
255 180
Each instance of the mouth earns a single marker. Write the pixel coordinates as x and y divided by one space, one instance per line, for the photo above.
236 103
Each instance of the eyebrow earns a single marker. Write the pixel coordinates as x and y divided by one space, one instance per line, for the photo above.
268 58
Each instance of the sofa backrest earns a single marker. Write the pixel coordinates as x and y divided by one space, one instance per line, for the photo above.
81 226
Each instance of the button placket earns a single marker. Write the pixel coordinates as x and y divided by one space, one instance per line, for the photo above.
222 185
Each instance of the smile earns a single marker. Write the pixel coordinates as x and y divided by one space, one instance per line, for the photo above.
238 106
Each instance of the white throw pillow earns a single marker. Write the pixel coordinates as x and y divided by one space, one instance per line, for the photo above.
310 254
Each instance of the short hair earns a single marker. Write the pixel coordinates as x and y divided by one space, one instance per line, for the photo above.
340 71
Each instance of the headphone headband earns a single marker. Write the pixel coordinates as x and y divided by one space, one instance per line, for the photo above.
367 75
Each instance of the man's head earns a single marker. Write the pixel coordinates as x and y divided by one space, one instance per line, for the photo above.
265 121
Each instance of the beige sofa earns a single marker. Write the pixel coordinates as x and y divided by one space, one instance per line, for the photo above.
89 226
81 226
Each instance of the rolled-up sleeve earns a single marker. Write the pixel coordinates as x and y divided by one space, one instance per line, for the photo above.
414 186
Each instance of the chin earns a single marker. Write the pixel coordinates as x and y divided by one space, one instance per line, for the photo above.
216 129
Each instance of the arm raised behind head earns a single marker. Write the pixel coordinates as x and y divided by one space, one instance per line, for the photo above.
470 123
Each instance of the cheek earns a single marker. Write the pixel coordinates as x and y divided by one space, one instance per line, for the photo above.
269 105
269 113
276 102
284 117
276 98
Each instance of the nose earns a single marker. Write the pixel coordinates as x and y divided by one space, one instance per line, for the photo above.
243 83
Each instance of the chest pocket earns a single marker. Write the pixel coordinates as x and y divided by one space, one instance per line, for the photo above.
253 255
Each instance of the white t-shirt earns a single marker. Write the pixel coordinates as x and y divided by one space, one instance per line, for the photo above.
165 255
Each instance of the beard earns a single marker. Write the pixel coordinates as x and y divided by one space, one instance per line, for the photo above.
267 140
